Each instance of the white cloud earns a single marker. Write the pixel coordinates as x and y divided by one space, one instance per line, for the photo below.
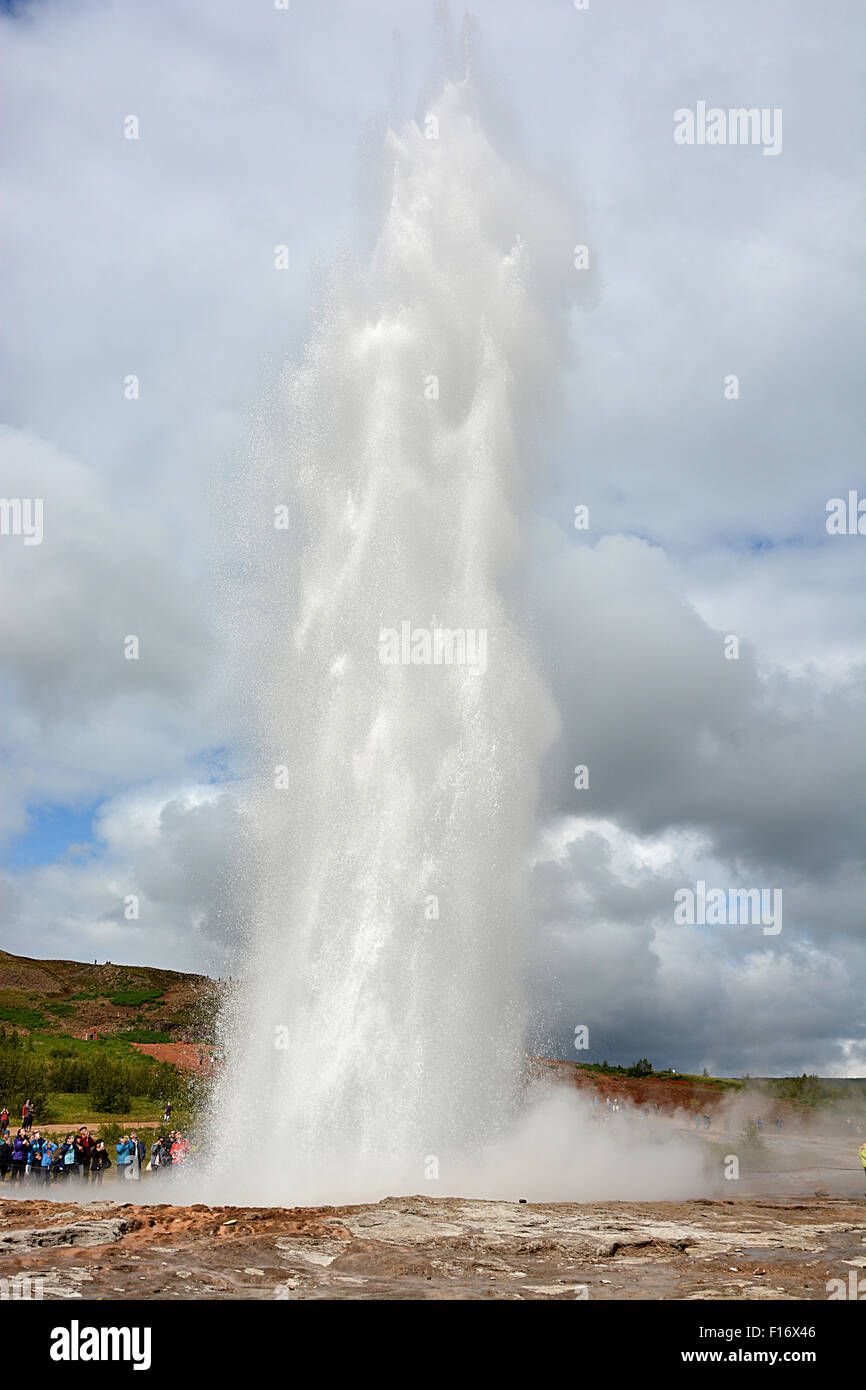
156 257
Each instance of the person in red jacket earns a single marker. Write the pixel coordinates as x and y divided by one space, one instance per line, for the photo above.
180 1149
84 1147
27 1115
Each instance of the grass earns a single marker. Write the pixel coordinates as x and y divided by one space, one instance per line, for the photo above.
134 998
60 1010
713 1083
22 1017
24 1009
116 1047
71 1108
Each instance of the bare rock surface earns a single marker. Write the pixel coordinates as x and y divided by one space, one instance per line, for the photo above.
75 1233
435 1248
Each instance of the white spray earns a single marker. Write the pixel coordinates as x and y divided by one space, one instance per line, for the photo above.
378 1030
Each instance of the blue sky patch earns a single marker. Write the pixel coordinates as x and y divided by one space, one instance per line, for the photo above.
51 834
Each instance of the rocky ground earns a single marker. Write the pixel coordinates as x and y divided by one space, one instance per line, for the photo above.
439 1248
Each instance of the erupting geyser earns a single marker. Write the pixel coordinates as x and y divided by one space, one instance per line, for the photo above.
377 1033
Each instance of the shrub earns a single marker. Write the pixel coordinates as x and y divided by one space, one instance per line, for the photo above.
110 1088
134 998
71 1074
641 1068
25 1018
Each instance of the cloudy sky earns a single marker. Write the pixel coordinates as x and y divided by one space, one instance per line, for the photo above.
154 258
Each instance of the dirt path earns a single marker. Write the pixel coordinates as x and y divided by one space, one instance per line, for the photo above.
144 1122
189 1057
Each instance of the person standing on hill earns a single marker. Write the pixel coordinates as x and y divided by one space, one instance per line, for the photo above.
27 1115
4 1119
862 1153
166 1116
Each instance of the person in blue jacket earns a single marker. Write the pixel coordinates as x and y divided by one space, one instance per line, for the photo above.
125 1151
67 1156
49 1149
34 1156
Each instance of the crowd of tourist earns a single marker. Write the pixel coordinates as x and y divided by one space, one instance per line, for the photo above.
31 1157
